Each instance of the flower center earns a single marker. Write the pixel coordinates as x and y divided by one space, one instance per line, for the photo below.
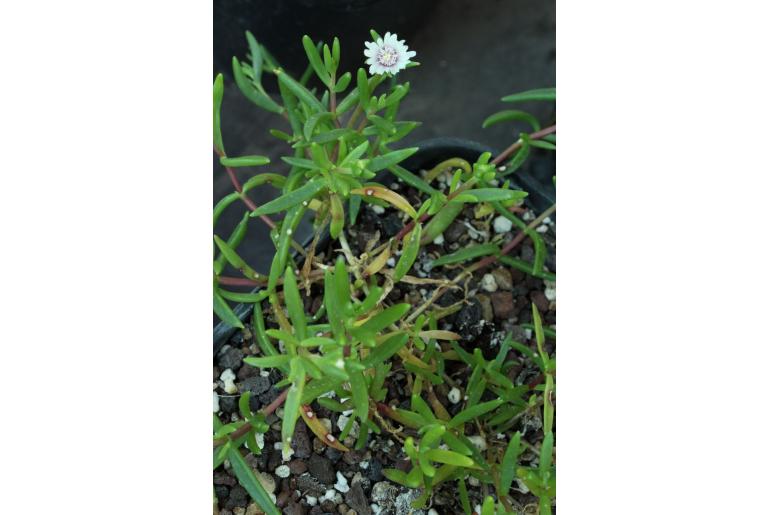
387 56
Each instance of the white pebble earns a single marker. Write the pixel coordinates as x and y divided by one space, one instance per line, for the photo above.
502 225
342 483
364 465
550 292
547 220
488 283
311 501
432 512
438 240
282 471
454 395
478 442
326 423
528 216
391 261
228 377
542 229
378 209
260 438
216 402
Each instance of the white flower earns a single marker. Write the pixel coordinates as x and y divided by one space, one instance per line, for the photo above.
387 55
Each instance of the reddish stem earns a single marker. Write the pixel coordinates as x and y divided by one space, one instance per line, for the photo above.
246 200
236 281
535 135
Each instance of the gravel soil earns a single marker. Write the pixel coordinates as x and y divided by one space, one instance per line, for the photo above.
318 479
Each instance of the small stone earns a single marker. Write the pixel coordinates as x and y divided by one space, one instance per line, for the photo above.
216 402
378 209
256 385
300 442
297 467
486 307
502 304
311 501
238 497
391 224
239 511
503 278
321 468
438 240
384 493
502 225
342 483
283 471
432 511
478 442
230 357
356 499
454 395
488 283
391 262
453 233
247 371
228 377
253 509
550 290
542 229
540 301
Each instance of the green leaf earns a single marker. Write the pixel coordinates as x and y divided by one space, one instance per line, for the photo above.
244 161
248 298
249 481
218 92
300 91
290 199
258 97
312 121
292 403
390 159
546 94
488 508
546 454
315 60
294 304
464 500
223 204
235 239
490 195
385 350
301 162
387 317
518 159
512 114
473 412
413 180
268 361
441 220
224 312
256 57
449 457
467 253
408 253
508 466
360 392
396 476
343 82
234 259
362 82
542 144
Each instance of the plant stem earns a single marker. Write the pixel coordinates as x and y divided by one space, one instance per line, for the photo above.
510 150
246 427
246 200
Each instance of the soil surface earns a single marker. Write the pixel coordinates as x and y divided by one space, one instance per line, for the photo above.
318 479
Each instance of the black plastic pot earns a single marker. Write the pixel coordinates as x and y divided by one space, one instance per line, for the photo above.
280 25
431 153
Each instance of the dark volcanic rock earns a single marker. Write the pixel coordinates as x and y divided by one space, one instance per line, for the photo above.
502 304
469 320
239 497
356 499
230 357
322 469
390 225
